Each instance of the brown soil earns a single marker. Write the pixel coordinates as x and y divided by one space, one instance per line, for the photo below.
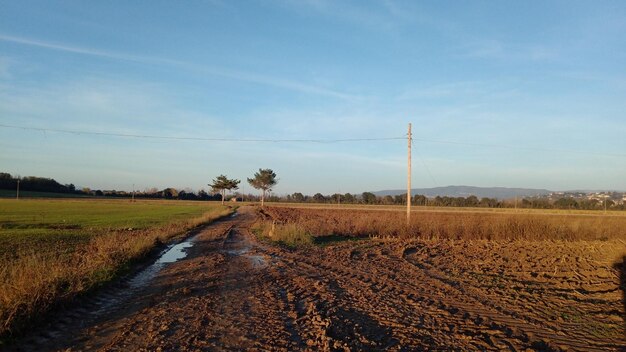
233 292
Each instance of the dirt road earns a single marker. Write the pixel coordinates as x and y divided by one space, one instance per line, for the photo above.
232 292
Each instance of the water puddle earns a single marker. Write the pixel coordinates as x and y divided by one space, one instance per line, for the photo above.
258 261
175 253
141 279
239 251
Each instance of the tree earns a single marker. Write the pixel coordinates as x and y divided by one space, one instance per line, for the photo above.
167 193
223 183
419 199
368 197
336 198
319 198
566 203
297 197
264 180
348 198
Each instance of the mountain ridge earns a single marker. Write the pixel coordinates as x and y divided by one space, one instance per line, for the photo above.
466 191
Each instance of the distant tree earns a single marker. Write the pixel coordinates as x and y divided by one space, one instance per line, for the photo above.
319 198
348 198
388 200
167 193
202 195
368 198
471 201
399 199
419 199
566 203
223 183
491 202
263 180
297 197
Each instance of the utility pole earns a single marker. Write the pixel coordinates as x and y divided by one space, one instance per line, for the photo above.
408 181
17 195
133 199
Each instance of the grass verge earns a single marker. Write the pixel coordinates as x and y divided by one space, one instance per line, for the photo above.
289 235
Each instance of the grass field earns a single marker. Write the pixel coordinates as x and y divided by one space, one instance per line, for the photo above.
438 223
54 249
427 209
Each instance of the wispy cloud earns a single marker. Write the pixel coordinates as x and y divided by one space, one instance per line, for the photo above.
109 104
499 50
208 70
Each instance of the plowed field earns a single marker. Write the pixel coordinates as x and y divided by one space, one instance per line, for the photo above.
233 292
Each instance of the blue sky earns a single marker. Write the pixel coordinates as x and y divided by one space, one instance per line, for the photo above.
530 93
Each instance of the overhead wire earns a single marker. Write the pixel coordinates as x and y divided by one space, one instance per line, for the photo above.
312 140
419 155
208 139
517 147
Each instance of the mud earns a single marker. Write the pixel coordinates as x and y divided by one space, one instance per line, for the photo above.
232 292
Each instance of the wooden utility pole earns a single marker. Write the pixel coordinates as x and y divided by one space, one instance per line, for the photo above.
133 199
17 195
408 181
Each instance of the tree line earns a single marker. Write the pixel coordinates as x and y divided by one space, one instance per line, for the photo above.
265 179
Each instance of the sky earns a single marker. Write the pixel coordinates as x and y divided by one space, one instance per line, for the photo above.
499 93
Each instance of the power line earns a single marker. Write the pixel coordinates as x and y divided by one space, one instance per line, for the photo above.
419 155
534 149
339 140
127 135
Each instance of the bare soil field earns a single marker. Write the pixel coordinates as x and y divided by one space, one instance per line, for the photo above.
235 292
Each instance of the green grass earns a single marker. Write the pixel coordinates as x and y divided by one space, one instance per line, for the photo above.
27 223
54 249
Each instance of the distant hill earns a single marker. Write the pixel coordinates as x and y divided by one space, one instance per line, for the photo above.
465 191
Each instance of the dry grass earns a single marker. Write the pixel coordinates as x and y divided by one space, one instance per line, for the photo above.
452 225
290 235
36 277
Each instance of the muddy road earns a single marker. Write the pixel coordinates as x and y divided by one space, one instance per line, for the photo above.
232 292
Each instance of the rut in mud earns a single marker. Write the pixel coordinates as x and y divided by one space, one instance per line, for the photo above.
232 292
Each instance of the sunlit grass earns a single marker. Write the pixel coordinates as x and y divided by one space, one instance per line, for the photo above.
52 250
452 224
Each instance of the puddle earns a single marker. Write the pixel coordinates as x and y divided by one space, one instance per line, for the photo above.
239 251
175 253
141 279
108 301
258 261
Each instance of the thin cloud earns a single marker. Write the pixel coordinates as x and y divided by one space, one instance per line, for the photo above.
498 50
213 71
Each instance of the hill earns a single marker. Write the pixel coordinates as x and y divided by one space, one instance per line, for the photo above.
465 191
